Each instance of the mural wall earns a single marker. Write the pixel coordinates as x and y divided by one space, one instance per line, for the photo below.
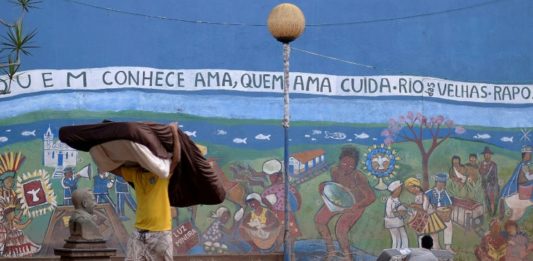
377 158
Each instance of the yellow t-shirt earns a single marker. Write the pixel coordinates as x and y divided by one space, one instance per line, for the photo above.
153 205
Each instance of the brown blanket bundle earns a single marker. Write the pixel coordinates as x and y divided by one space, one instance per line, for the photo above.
193 180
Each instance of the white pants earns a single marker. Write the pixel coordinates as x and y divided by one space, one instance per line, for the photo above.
448 232
399 237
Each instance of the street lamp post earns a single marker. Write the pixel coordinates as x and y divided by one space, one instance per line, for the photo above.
286 22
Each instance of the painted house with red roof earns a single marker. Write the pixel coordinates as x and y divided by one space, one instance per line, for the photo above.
304 161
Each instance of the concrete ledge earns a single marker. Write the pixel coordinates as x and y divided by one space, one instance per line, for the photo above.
228 257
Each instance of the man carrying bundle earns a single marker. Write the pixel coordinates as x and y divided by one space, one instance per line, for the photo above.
164 167
152 239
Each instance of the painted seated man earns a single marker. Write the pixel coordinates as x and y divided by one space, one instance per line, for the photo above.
81 224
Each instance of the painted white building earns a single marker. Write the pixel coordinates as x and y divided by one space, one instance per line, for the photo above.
303 161
56 153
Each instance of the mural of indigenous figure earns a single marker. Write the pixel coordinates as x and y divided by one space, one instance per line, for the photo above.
260 227
424 220
458 172
347 176
122 191
518 245
395 213
70 184
518 192
12 238
274 198
442 203
493 246
101 186
489 180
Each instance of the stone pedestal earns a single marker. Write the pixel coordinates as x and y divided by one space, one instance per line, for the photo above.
93 250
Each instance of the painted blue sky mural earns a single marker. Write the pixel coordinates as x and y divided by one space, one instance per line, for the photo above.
475 41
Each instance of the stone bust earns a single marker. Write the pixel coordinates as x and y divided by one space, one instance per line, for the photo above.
81 224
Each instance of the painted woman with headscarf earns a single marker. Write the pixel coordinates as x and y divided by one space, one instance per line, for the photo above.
424 219
260 227
213 237
274 198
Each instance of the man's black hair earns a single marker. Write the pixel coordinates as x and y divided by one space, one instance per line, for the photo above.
350 151
427 242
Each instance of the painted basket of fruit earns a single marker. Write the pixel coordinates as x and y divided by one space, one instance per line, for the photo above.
337 197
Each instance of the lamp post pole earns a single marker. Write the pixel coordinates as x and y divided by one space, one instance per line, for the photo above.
286 118
286 22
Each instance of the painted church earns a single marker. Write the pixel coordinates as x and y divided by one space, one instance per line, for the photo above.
57 154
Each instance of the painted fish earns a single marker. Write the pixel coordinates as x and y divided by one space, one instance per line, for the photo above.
361 136
307 136
8 130
261 136
221 132
240 141
316 132
335 135
28 133
313 139
484 136
3 139
191 134
507 139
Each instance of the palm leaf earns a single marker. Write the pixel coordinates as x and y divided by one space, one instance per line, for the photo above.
18 42
26 5
12 67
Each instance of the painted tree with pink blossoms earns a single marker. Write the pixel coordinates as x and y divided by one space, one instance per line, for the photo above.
414 127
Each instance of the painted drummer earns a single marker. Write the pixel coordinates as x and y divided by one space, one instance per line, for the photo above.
442 203
423 220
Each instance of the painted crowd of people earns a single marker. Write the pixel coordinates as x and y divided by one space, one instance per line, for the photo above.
430 213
